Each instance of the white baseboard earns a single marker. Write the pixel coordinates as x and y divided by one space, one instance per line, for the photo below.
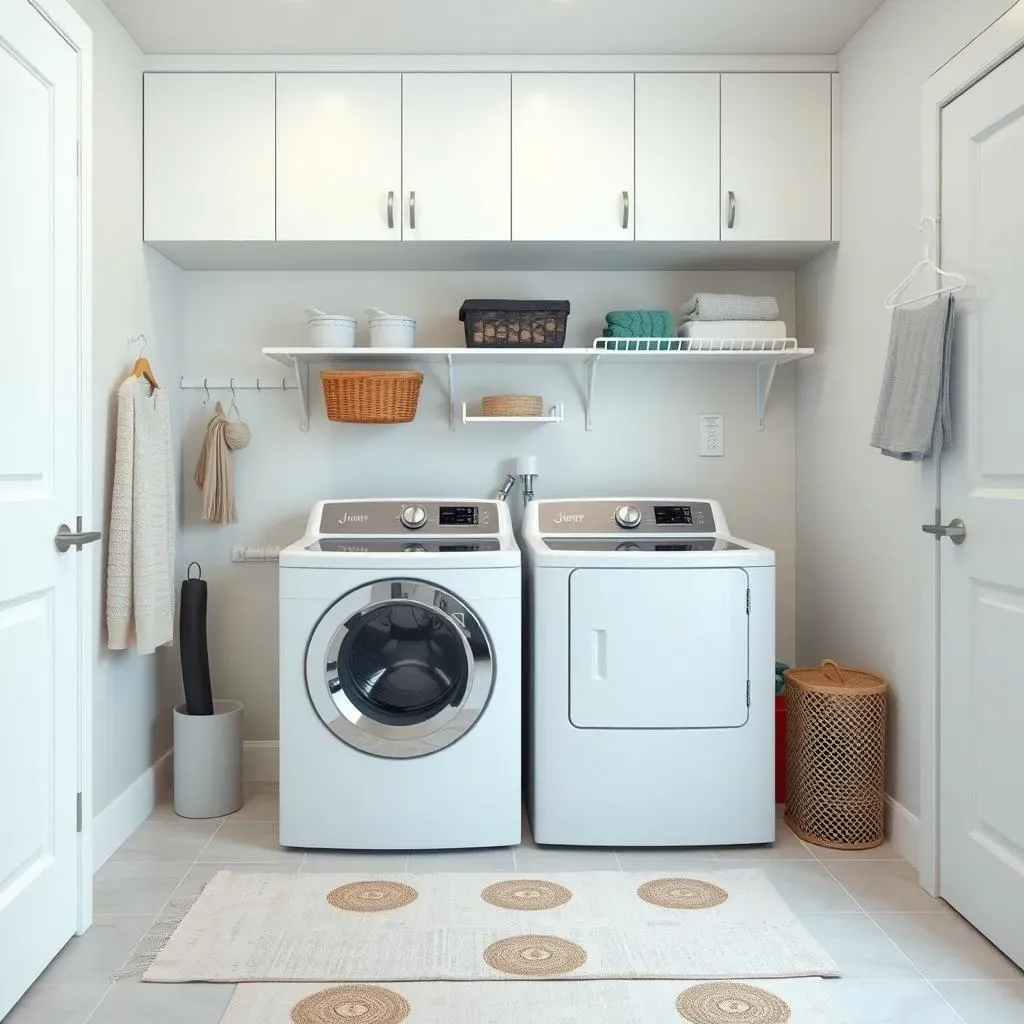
903 830
123 815
259 761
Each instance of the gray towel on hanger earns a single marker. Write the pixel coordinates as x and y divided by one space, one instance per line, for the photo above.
912 421
709 306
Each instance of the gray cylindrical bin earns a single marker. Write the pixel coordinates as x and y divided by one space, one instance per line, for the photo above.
208 761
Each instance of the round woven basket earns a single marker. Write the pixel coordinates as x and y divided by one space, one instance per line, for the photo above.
512 405
371 396
835 756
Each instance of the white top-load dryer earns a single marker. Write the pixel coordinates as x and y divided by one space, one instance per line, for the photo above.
400 679
652 675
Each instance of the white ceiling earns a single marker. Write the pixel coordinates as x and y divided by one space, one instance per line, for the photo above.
493 26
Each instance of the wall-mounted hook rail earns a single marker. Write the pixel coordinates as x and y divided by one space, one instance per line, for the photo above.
268 384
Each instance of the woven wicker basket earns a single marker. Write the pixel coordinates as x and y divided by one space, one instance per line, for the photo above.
512 405
371 396
835 756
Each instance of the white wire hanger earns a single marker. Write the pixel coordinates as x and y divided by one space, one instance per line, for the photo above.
957 282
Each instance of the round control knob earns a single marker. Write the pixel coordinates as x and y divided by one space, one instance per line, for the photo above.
414 517
413 547
628 516
628 546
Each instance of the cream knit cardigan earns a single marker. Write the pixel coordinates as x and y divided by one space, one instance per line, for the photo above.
140 559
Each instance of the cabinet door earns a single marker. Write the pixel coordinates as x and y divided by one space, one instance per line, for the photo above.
777 157
572 157
209 157
339 157
677 158
457 157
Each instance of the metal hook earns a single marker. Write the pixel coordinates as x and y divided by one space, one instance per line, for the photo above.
142 341
206 400
258 388
284 384
234 397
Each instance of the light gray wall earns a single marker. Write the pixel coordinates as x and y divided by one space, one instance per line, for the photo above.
644 439
135 290
861 558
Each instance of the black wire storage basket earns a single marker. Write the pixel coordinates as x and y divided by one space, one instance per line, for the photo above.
514 323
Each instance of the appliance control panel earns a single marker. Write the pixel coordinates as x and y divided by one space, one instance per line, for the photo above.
625 516
393 518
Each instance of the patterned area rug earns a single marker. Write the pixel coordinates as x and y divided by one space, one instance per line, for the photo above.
569 1002
471 927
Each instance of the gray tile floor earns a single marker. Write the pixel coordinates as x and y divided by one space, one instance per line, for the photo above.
906 958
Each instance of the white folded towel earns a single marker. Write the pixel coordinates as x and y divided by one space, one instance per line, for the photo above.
708 306
729 329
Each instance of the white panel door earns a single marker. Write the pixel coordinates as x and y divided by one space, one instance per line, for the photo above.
209 157
982 580
339 157
457 157
776 157
572 157
677 158
40 447
658 648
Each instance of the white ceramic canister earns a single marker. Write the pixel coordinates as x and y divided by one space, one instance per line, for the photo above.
331 330
388 330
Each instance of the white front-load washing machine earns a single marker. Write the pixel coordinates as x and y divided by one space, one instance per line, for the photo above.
652 676
400 677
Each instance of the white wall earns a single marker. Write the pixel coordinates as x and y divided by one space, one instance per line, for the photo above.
644 440
135 291
862 559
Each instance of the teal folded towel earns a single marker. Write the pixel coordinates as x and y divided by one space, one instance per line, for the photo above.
640 323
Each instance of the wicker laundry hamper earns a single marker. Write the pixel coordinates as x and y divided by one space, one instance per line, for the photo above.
835 756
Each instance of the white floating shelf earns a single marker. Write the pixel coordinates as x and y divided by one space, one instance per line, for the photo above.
556 415
710 353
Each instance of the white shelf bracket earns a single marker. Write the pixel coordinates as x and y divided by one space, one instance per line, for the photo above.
591 370
765 379
451 392
301 370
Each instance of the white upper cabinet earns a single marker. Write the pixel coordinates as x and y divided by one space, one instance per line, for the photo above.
776 157
339 157
572 157
457 157
677 158
209 157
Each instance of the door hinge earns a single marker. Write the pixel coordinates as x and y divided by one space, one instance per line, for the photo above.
748 601
748 693
78 157
78 812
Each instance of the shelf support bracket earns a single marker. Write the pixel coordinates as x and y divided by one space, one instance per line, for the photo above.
451 392
591 371
301 371
765 379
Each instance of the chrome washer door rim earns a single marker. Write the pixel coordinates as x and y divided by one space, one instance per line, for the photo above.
359 730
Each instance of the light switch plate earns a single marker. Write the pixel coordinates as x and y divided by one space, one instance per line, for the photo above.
711 436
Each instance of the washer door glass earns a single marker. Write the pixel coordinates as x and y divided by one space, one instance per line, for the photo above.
406 669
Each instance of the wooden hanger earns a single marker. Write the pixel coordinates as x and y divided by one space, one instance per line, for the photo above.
141 367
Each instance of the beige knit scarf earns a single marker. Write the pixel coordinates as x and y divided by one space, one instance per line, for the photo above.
214 473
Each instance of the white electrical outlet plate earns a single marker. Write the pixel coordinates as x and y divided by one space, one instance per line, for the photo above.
711 436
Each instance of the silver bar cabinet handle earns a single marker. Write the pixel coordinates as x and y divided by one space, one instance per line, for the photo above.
625 210
412 210
391 209
66 539
956 531
732 209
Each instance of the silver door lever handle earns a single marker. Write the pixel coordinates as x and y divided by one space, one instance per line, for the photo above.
67 539
956 531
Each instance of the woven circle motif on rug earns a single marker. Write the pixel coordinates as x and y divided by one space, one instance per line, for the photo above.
526 894
535 956
729 1002
682 894
367 1004
371 897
